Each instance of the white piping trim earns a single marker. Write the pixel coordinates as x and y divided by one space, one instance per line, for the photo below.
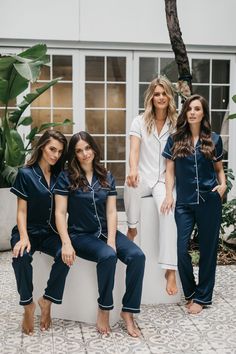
20 192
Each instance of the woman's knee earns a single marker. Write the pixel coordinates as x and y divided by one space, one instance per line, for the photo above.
24 259
136 255
108 255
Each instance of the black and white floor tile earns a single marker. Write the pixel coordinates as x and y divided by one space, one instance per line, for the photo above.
166 329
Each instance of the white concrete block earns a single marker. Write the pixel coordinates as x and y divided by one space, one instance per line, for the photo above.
81 293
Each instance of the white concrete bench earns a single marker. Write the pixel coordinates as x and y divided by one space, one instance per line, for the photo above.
154 284
80 295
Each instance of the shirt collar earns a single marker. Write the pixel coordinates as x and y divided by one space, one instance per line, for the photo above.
39 173
165 129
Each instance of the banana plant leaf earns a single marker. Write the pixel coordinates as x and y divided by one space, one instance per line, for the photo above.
28 99
8 176
11 88
15 151
35 52
44 126
5 65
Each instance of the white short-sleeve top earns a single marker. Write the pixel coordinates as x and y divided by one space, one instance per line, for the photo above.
152 164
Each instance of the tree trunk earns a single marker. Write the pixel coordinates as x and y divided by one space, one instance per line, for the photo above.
178 45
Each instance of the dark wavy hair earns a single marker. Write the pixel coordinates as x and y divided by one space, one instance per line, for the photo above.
42 142
76 173
183 137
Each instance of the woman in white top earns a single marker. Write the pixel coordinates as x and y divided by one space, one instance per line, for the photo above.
148 135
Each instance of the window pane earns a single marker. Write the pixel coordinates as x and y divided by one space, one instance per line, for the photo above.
45 73
62 95
94 122
169 68
116 95
220 71
115 148
201 90
59 116
220 97
116 122
94 69
100 141
40 116
94 95
148 69
220 123
201 70
116 69
44 99
118 171
62 67
142 90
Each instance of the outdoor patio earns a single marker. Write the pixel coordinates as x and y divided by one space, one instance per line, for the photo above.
165 328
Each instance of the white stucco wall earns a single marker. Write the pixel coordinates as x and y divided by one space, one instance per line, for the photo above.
39 20
203 22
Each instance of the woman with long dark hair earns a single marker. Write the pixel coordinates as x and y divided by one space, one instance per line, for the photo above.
87 192
35 230
194 158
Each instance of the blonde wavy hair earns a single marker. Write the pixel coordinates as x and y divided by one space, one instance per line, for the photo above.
149 113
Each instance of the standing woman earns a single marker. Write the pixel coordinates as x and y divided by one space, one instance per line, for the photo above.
148 136
87 193
194 157
35 230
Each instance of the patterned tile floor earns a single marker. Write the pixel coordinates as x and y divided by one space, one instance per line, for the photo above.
166 329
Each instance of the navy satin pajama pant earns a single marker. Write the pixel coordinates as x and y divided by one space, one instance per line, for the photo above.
45 241
207 216
92 248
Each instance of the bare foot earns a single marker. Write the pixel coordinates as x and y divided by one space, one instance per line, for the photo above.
103 325
28 319
131 327
45 320
189 303
195 308
131 233
171 286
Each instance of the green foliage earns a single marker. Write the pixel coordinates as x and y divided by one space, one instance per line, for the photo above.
16 73
229 208
229 218
232 116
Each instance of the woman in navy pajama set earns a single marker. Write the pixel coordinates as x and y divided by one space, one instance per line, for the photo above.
194 156
88 193
35 230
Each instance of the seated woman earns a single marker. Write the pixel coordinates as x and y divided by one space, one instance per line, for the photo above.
35 230
87 193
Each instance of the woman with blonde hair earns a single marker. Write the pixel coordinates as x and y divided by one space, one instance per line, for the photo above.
148 135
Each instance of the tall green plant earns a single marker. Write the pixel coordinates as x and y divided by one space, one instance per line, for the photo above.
233 115
16 73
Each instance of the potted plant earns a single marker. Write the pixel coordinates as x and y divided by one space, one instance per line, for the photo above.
16 73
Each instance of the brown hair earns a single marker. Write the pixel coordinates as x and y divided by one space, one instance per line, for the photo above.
42 142
183 137
76 173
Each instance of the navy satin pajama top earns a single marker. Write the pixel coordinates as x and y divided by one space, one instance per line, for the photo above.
195 174
31 186
86 209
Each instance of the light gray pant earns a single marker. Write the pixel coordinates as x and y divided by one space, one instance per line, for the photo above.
167 233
